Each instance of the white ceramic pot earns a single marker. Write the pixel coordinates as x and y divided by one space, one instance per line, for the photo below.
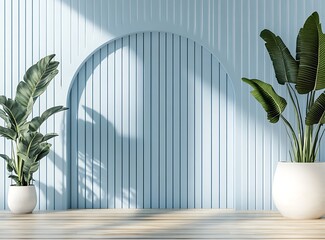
22 199
299 190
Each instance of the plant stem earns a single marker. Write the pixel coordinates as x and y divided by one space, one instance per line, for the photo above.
295 103
294 137
308 151
313 149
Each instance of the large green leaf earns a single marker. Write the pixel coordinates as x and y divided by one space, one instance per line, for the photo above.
316 113
48 136
16 114
28 170
3 99
5 157
8 133
33 140
16 179
311 55
33 145
35 82
44 149
264 93
10 162
36 122
4 116
285 66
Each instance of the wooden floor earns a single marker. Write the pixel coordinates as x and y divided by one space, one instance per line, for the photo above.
157 224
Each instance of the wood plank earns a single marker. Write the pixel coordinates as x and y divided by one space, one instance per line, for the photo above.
158 224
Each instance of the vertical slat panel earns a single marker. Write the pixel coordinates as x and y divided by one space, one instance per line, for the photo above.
251 146
169 113
267 157
176 120
81 151
111 73
125 134
43 104
75 43
230 142
259 134
74 140
8 88
50 95
2 92
162 120
140 121
35 57
243 103
89 125
198 126
223 137
155 143
96 137
133 120
118 124
60 161
147 85
103 127
191 123
215 132
184 123
206 130
82 20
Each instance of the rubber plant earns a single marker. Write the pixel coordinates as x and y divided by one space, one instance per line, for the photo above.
303 78
29 146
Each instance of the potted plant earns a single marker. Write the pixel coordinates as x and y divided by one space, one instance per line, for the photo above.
28 145
298 185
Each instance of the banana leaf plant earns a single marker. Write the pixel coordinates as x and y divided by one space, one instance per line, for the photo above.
29 146
303 77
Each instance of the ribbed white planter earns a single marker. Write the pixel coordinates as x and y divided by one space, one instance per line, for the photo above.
299 190
22 199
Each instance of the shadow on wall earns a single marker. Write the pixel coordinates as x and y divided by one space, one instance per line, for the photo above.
91 186
49 188
137 140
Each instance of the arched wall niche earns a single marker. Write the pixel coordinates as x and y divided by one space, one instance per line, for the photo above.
181 91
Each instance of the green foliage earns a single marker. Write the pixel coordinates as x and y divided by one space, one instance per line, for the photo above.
311 45
29 146
272 103
285 66
307 73
316 114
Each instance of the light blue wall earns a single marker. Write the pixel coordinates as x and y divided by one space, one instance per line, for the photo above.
152 126
229 29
